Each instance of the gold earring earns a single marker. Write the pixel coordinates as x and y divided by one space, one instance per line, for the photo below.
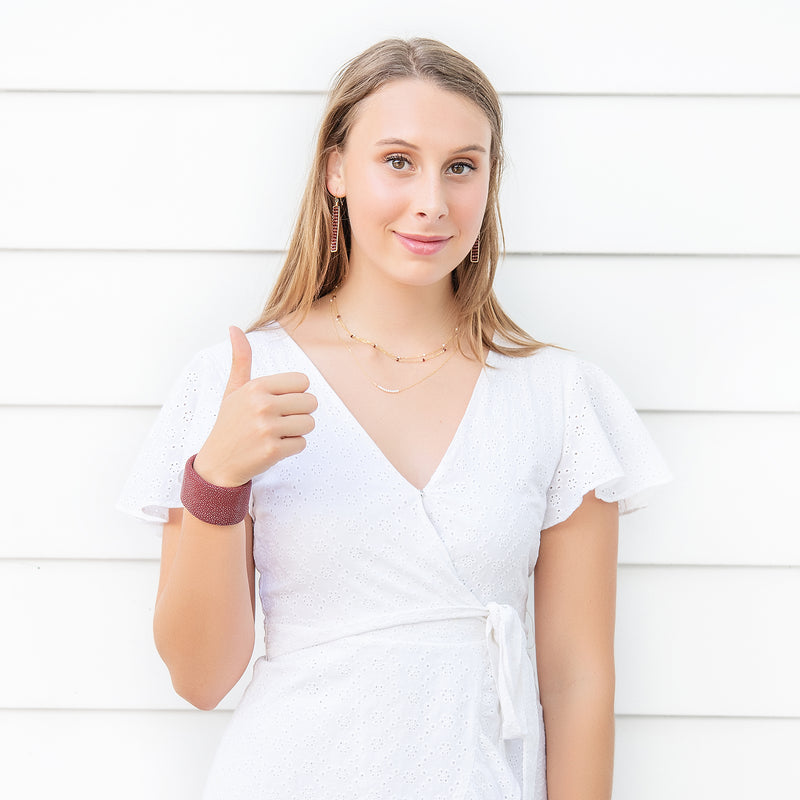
335 226
475 253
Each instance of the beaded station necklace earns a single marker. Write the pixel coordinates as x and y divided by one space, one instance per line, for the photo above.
400 359
336 317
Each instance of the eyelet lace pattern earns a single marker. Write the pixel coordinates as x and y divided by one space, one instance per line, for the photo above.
377 680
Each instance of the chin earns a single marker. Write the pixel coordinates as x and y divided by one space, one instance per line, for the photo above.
424 278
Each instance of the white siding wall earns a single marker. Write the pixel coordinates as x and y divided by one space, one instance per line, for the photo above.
151 158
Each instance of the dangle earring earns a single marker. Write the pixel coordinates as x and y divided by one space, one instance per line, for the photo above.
475 253
335 226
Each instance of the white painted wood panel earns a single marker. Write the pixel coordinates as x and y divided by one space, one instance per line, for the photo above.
685 334
690 641
732 500
224 172
708 641
71 515
116 328
661 758
85 638
653 175
165 755
152 171
96 755
716 334
707 46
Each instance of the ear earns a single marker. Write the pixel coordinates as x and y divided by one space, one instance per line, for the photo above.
334 174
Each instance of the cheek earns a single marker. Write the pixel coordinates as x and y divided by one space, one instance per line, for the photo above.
472 205
373 200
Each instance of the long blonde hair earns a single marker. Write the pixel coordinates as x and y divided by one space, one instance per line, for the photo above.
311 270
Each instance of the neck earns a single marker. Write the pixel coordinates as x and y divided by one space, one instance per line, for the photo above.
401 318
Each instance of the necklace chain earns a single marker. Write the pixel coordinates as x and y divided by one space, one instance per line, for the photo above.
337 318
400 359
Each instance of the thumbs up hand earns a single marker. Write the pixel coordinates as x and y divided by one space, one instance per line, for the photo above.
260 421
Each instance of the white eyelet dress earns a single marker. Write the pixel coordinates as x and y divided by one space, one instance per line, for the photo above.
397 665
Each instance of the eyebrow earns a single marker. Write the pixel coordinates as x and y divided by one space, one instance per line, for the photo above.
403 143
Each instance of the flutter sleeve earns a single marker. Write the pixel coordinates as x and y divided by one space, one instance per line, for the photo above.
180 429
605 447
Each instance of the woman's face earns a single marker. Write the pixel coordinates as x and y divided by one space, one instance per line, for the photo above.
415 172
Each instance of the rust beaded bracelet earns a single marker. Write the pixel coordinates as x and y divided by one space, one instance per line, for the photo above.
216 505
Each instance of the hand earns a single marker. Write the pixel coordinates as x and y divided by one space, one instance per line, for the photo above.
260 421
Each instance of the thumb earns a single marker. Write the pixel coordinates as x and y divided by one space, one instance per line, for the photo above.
242 360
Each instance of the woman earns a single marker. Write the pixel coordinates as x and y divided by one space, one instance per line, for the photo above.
449 457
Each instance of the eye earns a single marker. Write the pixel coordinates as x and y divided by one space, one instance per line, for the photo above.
461 168
397 161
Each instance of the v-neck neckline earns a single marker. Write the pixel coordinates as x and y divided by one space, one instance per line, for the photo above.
477 389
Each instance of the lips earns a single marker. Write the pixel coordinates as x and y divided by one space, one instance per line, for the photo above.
422 245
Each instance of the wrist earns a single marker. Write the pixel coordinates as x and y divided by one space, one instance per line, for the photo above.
213 474
213 503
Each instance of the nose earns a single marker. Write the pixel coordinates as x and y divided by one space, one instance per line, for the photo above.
430 198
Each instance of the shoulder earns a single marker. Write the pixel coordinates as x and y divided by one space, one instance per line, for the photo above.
549 366
558 383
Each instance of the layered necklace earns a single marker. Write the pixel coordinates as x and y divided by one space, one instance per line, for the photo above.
349 336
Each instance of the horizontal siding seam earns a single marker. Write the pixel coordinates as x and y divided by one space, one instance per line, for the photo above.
781 411
721 95
155 710
111 710
625 566
513 253
662 412
692 717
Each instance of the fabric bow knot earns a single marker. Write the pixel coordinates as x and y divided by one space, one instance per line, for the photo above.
511 667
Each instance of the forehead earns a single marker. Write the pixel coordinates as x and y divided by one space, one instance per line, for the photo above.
422 113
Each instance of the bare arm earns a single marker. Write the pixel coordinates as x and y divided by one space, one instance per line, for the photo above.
575 606
204 616
204 623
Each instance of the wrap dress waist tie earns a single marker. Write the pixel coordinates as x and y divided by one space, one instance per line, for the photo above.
512 667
